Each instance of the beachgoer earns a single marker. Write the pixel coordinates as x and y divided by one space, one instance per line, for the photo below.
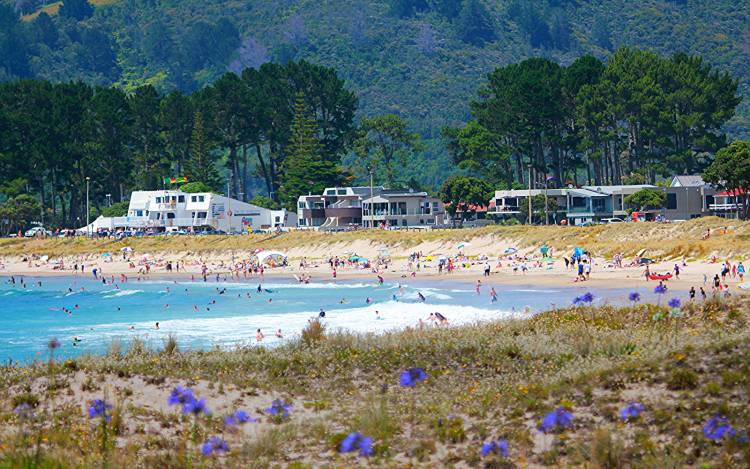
279 334
322 313
692 293
259 336
493 295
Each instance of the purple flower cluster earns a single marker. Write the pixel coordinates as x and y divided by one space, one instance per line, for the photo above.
410 377
660 289
240 417
634 297
99 408
214 446
718 427
559 418
631 411
190 404
495 447
279 408
355 441
674 303
585 298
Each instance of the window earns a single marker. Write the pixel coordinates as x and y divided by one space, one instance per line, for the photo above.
158 216
579 202
598 205
193 198
710 200
181 199
403 222
278 219
302 222
511 202
202 214
158 200
139 213
421 221
300 205
201 198
671 201
342 191
331 192
170 216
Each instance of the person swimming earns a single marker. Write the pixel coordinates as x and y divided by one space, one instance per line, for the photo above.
157 325
441 319
259 336
322 313
279 334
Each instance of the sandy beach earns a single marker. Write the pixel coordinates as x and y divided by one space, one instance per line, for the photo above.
313 262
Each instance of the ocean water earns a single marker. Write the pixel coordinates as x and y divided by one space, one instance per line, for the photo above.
204 315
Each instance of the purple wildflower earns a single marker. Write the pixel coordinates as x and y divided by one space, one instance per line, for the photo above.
660 289
238 418
588 297
180 396
410 377
634 297
279 408
195 407
717 428
99 408
674 303
214 446
497 447
631 411
24 411
558 418
356 441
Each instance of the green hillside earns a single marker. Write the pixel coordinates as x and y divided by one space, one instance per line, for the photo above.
421 59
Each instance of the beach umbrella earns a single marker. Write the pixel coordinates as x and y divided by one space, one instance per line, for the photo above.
744 286
127 249
642 252
461 245
510 251
106 254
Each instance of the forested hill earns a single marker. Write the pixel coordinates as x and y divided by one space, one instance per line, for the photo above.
421 59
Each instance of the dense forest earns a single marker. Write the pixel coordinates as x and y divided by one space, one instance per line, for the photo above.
422 60
273 99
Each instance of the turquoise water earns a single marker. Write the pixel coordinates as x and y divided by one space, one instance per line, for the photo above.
229 313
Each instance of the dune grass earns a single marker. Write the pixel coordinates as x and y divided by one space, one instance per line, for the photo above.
484 382
668 241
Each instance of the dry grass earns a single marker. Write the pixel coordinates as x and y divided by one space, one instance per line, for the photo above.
674 240
54 7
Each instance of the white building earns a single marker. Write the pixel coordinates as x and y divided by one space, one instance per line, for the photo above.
167 210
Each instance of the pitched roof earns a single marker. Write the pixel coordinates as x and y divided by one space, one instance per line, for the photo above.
689 180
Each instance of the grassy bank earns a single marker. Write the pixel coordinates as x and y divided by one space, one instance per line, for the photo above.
673 240
486 382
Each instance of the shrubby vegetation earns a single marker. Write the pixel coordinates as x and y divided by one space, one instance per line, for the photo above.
582 386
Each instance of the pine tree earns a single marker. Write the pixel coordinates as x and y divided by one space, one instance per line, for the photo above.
200 167
306 168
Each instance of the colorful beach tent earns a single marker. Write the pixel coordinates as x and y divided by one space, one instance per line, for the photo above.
126 249
271 257
460 246
510 251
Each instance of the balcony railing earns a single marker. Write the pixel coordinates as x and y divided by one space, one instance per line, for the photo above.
724 207
401 213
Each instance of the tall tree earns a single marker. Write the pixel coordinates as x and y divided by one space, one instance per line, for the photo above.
731 171
474 24
383 144
200 167
306 169
150 166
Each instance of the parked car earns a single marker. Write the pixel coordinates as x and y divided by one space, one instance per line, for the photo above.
609 221
37 231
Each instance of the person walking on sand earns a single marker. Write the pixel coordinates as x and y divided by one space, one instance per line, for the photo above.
677 271
740 270
692 293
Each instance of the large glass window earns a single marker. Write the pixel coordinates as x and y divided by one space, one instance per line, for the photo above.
181 199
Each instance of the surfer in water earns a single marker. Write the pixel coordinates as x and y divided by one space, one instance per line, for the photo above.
421 297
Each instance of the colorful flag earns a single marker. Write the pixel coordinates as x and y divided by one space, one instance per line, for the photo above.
169 180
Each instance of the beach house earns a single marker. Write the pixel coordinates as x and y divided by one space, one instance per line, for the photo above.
337 208
171 210
403 208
